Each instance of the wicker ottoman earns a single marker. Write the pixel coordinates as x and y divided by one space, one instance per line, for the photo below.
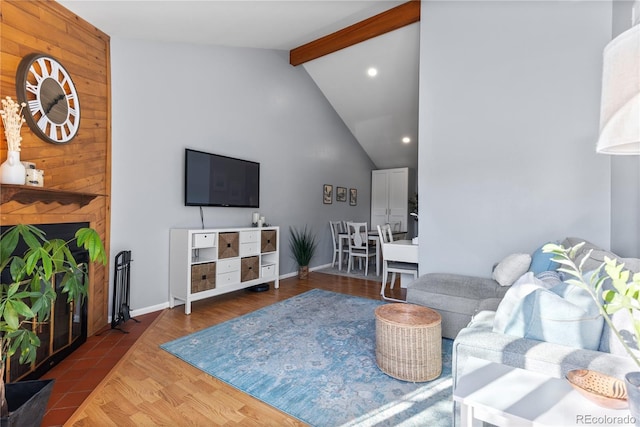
408 342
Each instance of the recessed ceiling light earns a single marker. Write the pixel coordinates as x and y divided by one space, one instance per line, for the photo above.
406 140
372 72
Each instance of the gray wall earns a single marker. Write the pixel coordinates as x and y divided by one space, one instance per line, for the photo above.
509 113
625 170
247 103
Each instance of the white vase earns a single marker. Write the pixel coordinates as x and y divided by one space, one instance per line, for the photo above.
11 170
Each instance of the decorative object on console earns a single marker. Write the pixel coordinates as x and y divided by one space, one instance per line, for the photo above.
620 101
34 177
303 246
604 390
12 171
53 111
29 293
254 219
327 194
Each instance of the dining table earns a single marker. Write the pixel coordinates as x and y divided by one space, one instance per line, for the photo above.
372 237
402 251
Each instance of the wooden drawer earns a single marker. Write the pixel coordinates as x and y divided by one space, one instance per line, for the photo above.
250 268
228 265
268 241
228 245
203 277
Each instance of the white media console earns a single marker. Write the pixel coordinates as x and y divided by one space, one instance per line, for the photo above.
209 262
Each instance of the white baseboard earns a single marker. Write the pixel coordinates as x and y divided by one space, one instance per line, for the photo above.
158 307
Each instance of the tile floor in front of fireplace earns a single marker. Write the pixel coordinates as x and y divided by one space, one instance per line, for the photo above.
77 375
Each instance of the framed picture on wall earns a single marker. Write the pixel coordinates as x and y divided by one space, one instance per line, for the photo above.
353 196
327 194
341 194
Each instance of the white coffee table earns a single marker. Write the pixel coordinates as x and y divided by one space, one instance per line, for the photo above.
506 396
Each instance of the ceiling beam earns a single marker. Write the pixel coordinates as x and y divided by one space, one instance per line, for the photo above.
392 19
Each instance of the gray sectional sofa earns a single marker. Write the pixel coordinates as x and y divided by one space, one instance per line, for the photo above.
456 297
468 307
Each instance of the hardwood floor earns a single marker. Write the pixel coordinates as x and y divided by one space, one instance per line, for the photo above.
150 387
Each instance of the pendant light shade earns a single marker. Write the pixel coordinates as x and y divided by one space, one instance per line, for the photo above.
620 102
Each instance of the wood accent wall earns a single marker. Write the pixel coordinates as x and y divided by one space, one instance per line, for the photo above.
84 164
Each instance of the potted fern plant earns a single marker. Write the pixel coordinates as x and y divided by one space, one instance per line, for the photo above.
27 294
303 246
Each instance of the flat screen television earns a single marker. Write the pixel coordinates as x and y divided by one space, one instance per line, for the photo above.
214 180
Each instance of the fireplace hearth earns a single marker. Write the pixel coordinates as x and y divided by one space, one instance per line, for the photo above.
66 328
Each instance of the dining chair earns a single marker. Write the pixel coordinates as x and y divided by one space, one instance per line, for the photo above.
336 229
393 267
359 246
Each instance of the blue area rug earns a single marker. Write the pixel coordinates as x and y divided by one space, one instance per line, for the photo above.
313 357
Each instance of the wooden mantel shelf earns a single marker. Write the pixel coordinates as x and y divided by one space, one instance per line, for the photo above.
26 194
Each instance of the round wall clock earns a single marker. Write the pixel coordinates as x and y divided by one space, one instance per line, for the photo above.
53 109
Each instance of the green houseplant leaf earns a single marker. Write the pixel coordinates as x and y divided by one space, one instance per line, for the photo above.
303 245
27 300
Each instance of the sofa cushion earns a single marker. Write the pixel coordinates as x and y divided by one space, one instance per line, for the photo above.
551 278
456 285
596 258
522 287
478 340
511 268
541 261
565 314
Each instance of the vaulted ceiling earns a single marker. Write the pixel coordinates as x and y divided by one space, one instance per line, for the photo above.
379 110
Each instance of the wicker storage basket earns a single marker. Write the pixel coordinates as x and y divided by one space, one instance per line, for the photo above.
408 342
249 268
203 277
228 245
268 241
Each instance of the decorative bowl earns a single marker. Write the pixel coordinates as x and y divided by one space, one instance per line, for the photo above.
605 391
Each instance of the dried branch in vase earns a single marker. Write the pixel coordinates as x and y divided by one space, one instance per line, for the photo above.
13 120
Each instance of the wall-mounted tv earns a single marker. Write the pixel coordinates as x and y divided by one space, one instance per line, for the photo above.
214 180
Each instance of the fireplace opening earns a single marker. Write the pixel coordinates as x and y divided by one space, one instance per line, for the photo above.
66 329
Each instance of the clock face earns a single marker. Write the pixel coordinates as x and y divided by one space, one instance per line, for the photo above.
53 109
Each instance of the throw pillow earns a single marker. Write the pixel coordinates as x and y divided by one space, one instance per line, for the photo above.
541 261
511 268
522 287
565 314
551 278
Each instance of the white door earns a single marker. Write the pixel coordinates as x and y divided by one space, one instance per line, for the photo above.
379 199
398 199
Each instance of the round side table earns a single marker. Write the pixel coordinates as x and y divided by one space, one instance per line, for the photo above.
408 342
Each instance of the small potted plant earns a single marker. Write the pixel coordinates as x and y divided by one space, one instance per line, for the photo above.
303 246
27 297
